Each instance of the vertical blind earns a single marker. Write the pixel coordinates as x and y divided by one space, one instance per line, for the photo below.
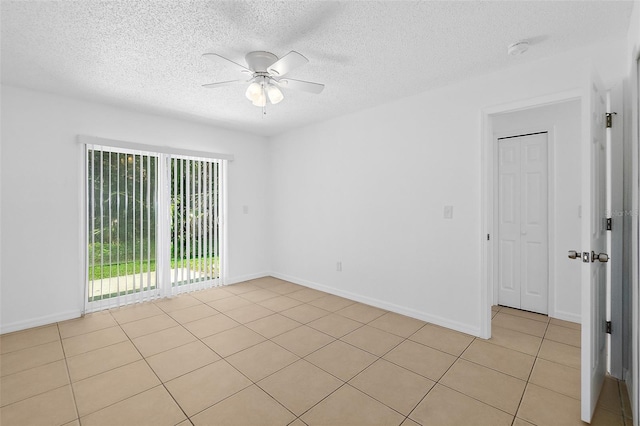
195 236
153 225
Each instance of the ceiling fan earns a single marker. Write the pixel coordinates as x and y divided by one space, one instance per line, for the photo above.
266 73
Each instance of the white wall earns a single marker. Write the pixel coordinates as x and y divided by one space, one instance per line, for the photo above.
631 298
562 120
41 203
368 189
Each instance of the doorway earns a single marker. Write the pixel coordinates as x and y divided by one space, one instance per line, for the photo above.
522 231
577 187
560 116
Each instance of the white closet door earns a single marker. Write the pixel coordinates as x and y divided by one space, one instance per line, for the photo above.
509 222
523 245
534 256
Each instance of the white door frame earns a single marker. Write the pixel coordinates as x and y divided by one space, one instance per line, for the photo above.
488 197
615 208
550 131
634 374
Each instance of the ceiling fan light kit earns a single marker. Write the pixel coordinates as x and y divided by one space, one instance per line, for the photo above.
264 70
253 92
260 89
275 94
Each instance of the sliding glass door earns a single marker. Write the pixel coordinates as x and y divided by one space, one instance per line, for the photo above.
195 230
153 225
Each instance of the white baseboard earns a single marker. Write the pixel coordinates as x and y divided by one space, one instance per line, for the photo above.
242 278
37 322
567 316
413 313
67 315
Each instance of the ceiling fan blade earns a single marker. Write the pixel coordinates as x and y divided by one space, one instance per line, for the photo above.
223 83
305 86
221 59
288 62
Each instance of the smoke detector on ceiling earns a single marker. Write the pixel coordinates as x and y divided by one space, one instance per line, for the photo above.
518 48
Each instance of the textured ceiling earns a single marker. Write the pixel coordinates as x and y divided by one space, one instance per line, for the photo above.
147 54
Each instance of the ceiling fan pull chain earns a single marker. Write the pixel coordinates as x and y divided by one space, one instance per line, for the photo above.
264 106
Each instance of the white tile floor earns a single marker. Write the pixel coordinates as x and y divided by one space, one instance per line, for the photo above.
270 352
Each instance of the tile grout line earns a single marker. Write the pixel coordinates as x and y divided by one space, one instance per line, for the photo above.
531 372
335 339
400 366
520 331
515 331
31 368
66 364
129 339
381 357
378 357
34 346
331 374
460 357
153 371
526 381
64 358
145 359
440 378
355 375
129 363
322 399
222 358
234 367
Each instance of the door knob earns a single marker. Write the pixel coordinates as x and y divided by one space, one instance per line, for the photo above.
574 254
601 257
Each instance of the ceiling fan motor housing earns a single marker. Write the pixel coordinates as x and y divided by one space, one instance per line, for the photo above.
260 61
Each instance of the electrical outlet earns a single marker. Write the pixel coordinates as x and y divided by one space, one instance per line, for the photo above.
448 212
339 266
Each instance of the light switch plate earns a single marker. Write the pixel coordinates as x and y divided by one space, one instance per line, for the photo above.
448 212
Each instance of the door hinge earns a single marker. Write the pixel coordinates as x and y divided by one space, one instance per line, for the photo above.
609 224
488 237
609 118
608 325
